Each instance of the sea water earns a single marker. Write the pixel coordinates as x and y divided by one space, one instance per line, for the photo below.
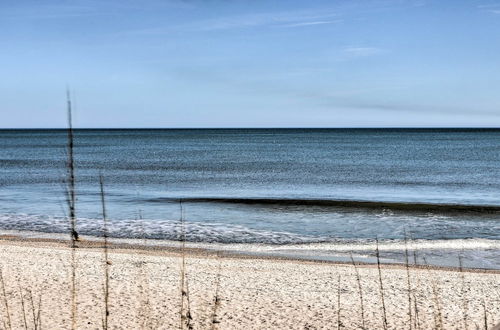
287 192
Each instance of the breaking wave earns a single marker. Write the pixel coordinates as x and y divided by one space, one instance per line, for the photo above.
477 252
155 229
353 204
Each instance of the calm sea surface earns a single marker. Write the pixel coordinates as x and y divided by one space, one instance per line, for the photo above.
268 190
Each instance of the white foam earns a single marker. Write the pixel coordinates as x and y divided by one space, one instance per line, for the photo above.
478 252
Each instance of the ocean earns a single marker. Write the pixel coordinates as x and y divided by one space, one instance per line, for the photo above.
320 194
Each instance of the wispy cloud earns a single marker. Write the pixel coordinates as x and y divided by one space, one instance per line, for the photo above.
47 11
290 19
490 8
300 18
421 108
362 51
83 8
311 23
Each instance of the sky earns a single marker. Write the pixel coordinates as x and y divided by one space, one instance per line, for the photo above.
253 63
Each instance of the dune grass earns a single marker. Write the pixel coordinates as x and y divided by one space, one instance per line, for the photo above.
71 202
105 322
217 301
381 287
360 291
185 305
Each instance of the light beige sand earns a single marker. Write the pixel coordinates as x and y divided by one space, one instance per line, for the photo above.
254 293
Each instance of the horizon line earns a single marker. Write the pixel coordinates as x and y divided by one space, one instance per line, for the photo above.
251 127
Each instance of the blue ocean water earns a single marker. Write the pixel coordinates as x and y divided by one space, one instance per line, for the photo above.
268 189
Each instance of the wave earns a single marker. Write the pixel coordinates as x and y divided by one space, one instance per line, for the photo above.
156 229
477 252
210 232
474 253
261 240
340 203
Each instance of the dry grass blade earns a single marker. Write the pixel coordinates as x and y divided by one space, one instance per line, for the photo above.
36 310
106 256
145 310
216 296
23 307
189 317
415 257
71 173
39 312
408 282
437 302
71 201
464 294
438 313
360 290
185 311
33 313
5 300
416 318
485 315
381 286
339 321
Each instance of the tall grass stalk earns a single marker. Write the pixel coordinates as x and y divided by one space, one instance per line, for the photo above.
438 314
145 310
408 282
417 317
437 302
106 255
360 291
188 318
39 312
381 285
185 311
415 257
216 295
21 295
71 201
36 310
464 296
5 300
71 172
485 315
339 308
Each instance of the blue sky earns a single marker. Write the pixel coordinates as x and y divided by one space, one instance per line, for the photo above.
223 63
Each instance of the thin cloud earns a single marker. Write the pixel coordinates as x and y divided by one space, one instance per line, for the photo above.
299 18
257 20
48 11
283 19
491 8
311 23
415 108
488 6
362 51
83 8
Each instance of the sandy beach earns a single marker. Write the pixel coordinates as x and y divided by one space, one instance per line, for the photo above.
253 293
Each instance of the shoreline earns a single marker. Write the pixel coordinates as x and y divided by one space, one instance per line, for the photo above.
93 243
